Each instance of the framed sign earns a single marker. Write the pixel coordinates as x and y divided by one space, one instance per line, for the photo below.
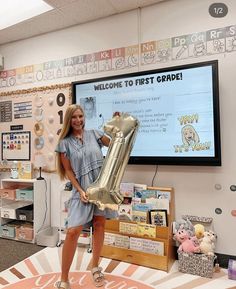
16 146
158 217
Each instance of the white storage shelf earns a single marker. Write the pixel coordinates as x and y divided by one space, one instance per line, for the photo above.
8 207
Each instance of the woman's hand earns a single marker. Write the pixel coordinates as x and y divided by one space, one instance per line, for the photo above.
83 197
116 113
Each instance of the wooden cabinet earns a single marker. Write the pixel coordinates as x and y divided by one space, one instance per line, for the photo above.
24 208
163 234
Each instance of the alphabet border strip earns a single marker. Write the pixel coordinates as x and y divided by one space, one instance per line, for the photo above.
199 44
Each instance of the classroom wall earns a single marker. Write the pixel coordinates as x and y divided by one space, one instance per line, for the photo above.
198 190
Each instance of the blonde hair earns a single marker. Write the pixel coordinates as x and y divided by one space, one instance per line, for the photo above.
189 128
65 131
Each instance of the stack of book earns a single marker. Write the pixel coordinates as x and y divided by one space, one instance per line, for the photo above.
144 205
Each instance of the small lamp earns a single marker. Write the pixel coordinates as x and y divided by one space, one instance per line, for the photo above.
39 162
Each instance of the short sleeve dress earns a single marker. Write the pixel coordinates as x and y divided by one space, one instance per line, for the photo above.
86 161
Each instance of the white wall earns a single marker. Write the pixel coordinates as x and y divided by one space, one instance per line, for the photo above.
195 191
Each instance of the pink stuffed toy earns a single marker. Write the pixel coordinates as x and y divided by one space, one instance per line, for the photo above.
187 243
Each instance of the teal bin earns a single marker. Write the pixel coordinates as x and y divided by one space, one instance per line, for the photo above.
7 231
26 194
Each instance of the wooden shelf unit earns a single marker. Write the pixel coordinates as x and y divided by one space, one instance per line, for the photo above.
163 234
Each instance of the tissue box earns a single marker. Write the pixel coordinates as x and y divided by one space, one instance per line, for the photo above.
196 264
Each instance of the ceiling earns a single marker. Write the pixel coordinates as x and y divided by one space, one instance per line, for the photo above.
67 13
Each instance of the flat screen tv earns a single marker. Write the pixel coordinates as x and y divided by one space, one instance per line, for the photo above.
177 107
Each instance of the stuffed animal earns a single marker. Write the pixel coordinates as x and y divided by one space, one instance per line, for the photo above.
186 225
187 243
207 244
199 230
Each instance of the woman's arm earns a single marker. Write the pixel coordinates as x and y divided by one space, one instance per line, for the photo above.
71 176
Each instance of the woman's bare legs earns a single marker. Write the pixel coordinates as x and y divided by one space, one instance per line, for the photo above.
98 238
68 250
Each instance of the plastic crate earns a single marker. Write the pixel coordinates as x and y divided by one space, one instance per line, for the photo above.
48 237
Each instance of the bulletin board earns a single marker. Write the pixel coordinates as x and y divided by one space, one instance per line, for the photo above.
16 145
35 116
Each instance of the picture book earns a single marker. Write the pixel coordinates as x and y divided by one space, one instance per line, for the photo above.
146 230
127 189
125 212
109 239
121 241
162 204
136 244
144 194
142 207
139 187
128 228
139 216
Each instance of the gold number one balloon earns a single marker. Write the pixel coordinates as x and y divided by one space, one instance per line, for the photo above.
105 191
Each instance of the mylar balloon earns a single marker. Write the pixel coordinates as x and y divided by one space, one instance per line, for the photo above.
105 191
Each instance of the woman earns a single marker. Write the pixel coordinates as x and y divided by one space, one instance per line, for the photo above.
79 158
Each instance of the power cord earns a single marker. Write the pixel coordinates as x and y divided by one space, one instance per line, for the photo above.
154 175
46 206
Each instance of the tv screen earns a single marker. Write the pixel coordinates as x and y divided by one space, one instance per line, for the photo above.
177 108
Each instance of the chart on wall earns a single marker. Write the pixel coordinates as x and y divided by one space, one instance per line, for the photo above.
16 145
30 122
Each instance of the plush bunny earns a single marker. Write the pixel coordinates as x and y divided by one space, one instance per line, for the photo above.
207 244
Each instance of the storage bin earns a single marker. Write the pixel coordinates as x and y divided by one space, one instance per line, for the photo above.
7 230
9 211
9 194
25 214
48 237
196 264
25 232
26 194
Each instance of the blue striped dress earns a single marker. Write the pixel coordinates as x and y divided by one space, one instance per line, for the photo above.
86 161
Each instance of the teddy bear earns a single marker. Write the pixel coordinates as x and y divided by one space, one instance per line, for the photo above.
207 243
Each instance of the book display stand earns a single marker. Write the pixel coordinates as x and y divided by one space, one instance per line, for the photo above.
151 246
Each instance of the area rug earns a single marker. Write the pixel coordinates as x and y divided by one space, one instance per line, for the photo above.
42 271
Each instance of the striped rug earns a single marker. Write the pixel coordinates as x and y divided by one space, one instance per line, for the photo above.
42 271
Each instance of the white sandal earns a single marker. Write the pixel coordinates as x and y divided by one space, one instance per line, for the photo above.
98 276
63 285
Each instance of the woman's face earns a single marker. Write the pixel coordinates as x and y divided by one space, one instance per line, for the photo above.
77 120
